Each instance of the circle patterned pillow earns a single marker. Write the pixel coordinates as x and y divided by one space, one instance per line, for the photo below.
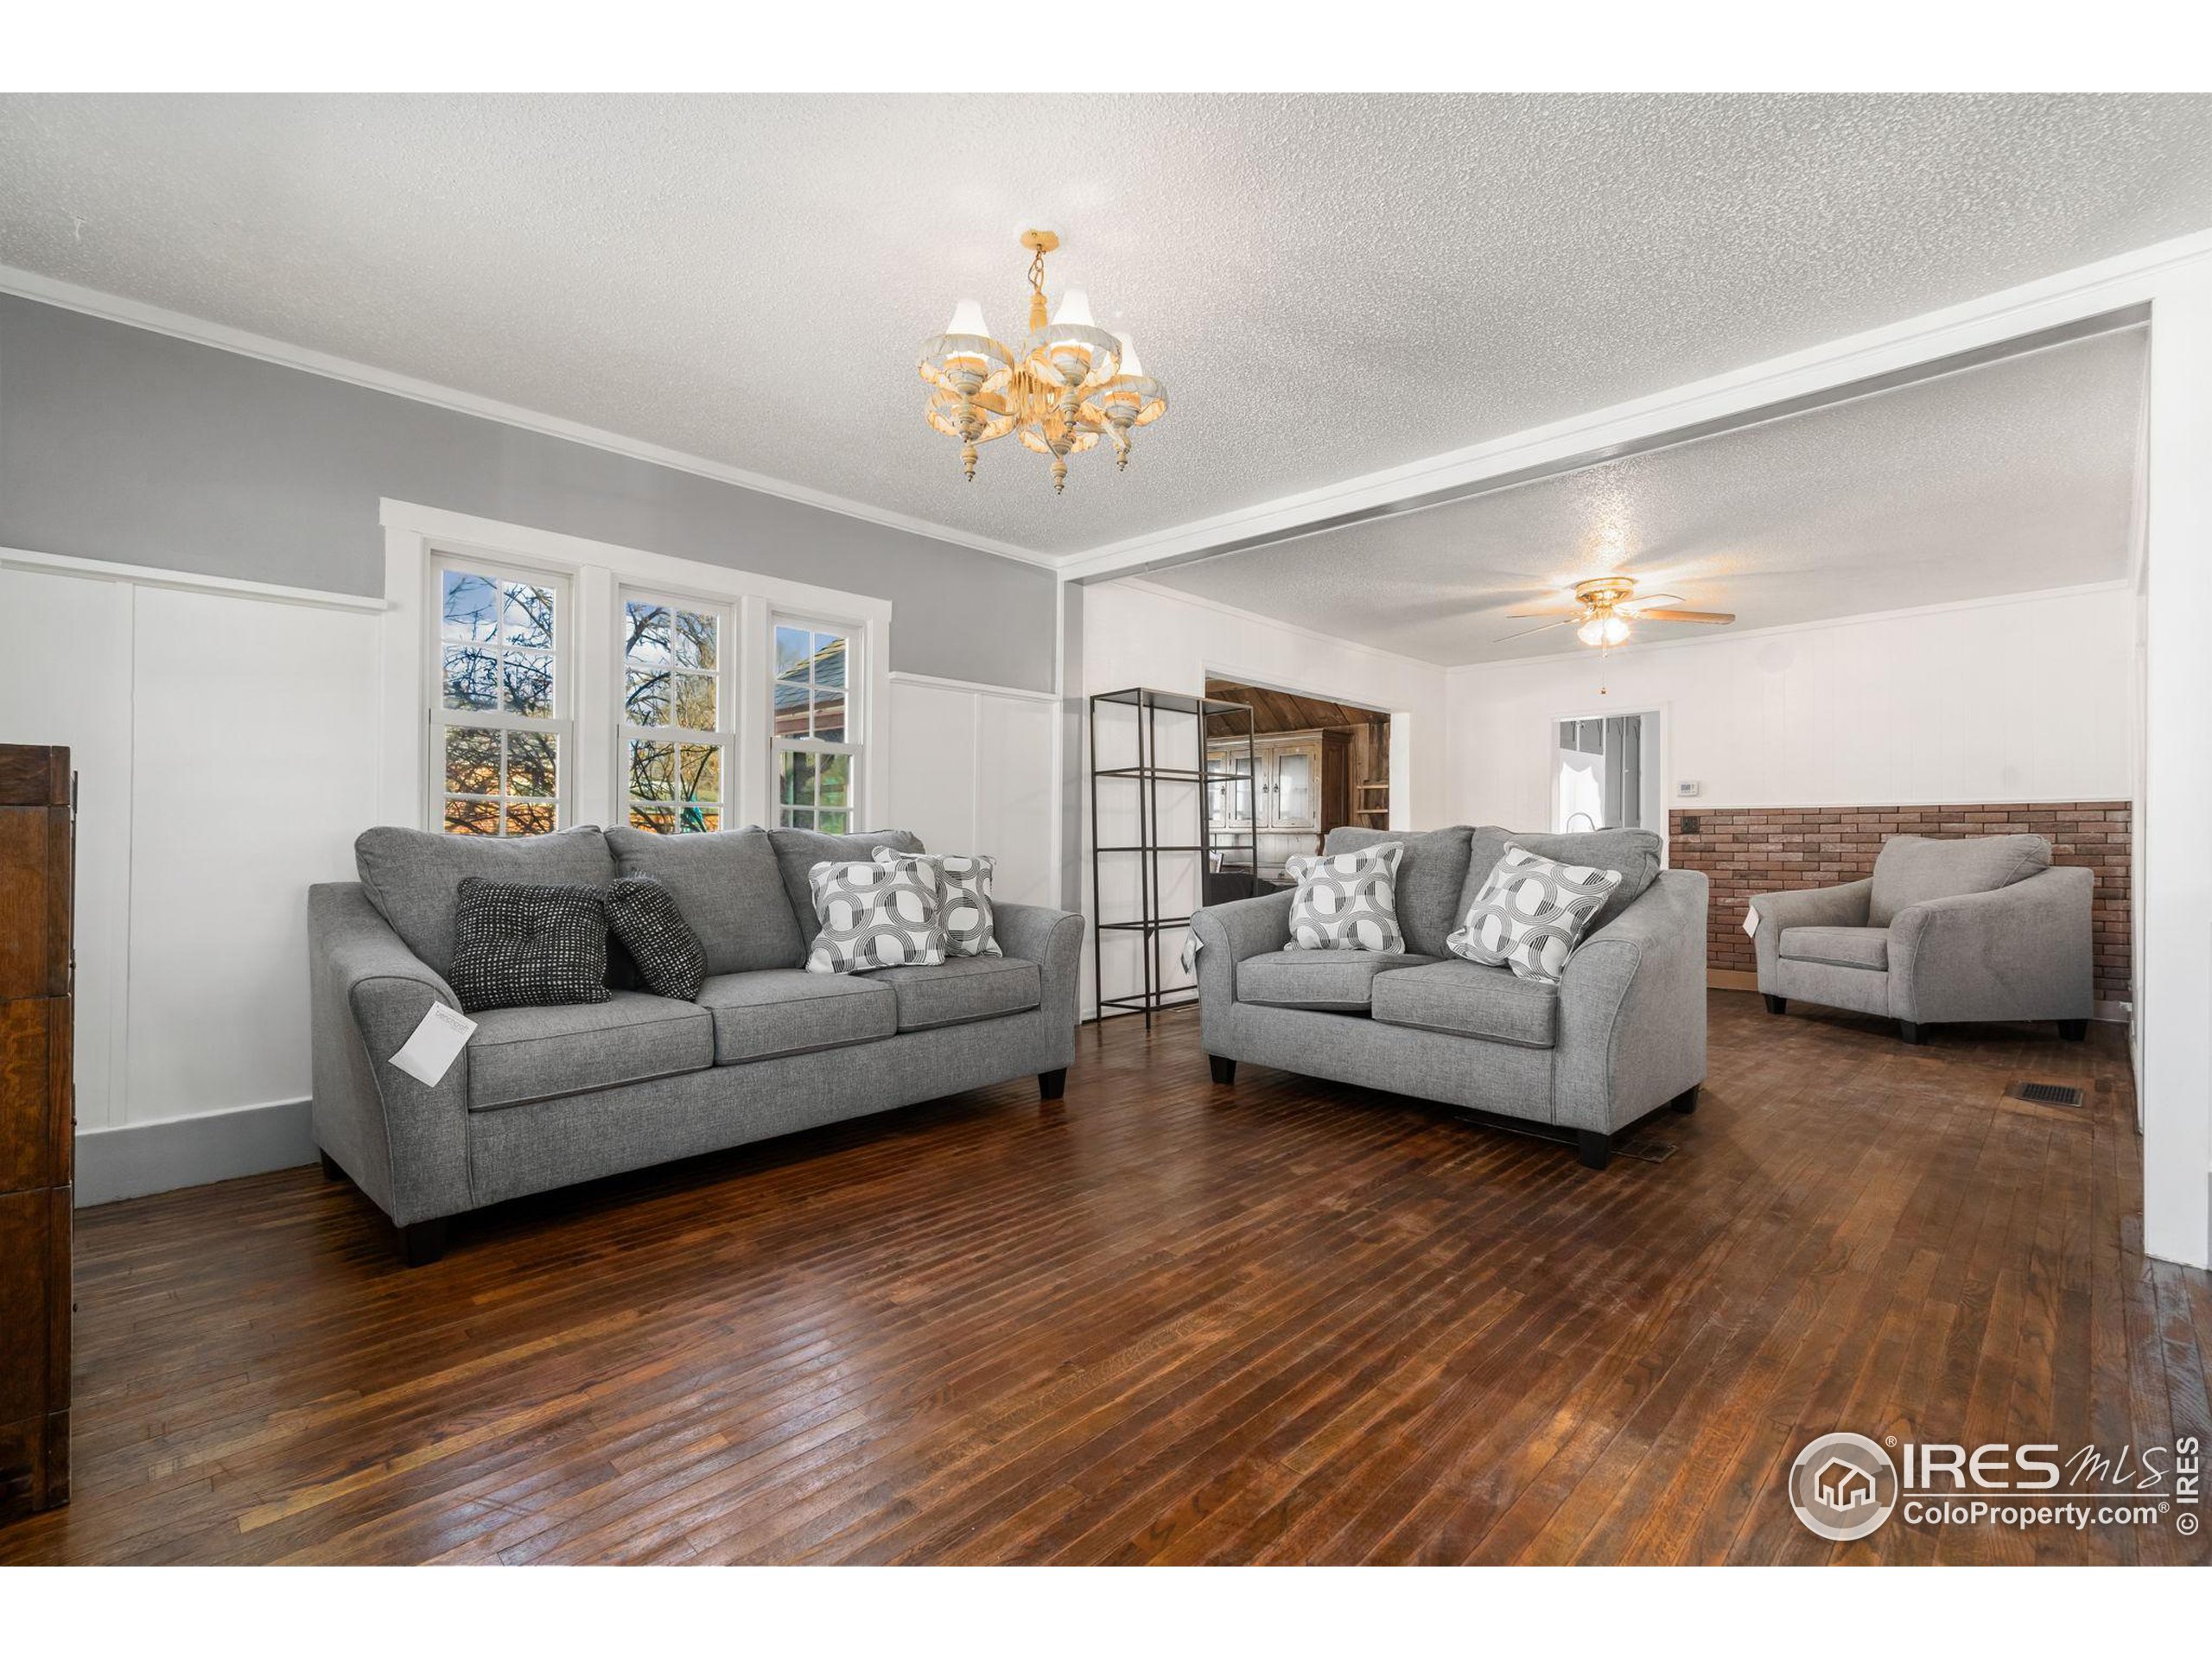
1530 914
964 882
1346 901
875 916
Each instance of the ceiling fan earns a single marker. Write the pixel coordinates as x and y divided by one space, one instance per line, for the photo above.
1603 608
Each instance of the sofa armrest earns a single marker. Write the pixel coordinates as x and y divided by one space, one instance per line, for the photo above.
405 1143
1227 934
1631 1009
1053 940
1840 907
2026 951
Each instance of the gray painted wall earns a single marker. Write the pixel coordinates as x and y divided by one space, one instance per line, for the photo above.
121 443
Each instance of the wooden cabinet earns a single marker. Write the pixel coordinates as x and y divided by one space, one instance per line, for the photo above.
1300 788
37 1129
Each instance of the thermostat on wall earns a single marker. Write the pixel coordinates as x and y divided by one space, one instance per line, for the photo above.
1685 788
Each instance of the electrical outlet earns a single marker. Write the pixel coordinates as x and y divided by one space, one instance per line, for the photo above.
1690 823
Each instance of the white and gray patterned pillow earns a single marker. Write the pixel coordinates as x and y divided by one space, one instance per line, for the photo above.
1346 901
1530 914
520 944
875 916
964 886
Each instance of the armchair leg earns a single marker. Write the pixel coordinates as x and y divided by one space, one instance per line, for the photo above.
2073 1030
1224 1070
1595 1148
1685 1103
1775 1004
422 1242
1051 1086
330 1170
1909 1032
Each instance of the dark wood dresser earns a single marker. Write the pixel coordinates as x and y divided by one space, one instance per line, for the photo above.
37 1125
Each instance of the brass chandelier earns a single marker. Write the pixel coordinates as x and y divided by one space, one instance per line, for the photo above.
1070 383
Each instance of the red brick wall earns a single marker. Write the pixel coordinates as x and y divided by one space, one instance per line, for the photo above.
1748 850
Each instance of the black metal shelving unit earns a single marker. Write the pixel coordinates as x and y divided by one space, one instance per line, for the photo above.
1147 774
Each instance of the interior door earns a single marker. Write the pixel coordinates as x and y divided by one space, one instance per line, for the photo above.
1297 794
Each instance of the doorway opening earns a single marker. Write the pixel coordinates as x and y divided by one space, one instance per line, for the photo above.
1310 764
1607 771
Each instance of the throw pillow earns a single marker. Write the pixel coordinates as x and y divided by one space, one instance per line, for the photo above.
964 887
642 914
1346 901
1531 913
517 945
875 916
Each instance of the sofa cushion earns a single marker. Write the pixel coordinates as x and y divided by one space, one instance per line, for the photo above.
519 1055
1463 999
1340 981
775 1011
1840 947
727 886
1430 873
1634 853
413 877
966 987
798 851
1912 869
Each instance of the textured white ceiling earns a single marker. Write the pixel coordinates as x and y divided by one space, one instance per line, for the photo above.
2009 478
1327 285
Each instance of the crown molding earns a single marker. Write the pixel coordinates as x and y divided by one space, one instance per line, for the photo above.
30 285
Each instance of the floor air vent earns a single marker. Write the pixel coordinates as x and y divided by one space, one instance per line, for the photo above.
2046 1094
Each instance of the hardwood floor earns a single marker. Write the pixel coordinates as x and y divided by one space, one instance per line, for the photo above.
1159 1321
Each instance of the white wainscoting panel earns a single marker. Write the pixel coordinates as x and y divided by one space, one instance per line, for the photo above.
973 770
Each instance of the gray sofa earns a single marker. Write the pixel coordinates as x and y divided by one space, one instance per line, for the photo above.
1944 930
1621 1035
542 1097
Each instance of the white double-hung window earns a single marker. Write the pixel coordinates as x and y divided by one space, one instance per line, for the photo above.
678 714
500 734
816 725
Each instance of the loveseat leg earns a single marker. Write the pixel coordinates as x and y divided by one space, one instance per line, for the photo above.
1909 1032
1594 1147
2073 1031
1224 1069
422 1242
1685 1103
330 1170
1775 1004
1051 1086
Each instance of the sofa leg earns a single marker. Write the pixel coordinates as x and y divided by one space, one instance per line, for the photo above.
1909 1032
330 1170
1051 1086
422 1242
1224 1069
2073 1031
1775 1004
1685 1103
1595 1148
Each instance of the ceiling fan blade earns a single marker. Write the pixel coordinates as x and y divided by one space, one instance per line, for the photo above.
1683 616
1644 601
1561 610
1541 627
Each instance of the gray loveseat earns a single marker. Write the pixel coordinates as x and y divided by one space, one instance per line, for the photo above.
1974 928
1621 1035
544 1097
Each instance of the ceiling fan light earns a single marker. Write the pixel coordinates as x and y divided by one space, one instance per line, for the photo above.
1615 630
1592 633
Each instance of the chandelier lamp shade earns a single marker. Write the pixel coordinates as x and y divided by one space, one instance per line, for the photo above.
1068 384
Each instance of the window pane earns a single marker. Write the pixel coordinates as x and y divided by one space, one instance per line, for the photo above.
646 702
797 785
471 678
653 770
793 646
646 636
530 769
655 820
829 660
699 774
695 820
528 615
832 824
829 716
472 761
695 640
695 701
472 818
471 604
834 773
530 817
530 684
796 818
792 702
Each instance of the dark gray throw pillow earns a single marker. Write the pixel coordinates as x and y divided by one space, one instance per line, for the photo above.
643 917
521 946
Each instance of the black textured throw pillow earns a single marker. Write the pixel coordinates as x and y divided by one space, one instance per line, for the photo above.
522 946
643 917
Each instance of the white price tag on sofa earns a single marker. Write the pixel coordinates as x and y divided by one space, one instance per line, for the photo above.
1751 920
429 1054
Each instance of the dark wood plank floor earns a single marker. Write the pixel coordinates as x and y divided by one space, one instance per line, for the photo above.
1159 1322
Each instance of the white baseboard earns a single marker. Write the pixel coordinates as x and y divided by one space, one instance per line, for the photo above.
137 1159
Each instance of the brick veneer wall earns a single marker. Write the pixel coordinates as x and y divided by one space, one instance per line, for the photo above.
1748 850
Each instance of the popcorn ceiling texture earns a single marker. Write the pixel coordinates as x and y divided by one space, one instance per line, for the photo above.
1327 285
1750 850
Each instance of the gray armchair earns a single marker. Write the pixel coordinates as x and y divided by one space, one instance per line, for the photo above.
1944 932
